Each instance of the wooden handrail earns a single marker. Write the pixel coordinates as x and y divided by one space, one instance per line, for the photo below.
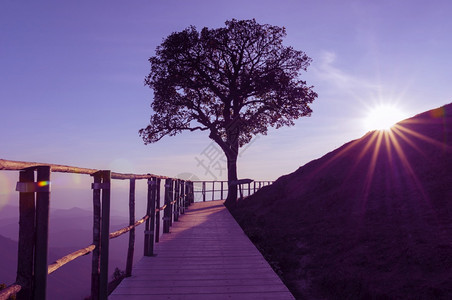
72 256
68 258
10 291
15 288
128 228
160 208
20 165
179 194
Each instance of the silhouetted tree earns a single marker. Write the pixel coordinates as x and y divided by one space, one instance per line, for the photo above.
233 82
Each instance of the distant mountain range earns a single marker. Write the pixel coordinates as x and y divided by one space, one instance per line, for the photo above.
70 230
371 219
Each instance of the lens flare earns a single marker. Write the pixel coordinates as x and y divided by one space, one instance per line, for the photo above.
43 183
383 117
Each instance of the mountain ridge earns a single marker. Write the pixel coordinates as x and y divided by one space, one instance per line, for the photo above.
70 230
366 219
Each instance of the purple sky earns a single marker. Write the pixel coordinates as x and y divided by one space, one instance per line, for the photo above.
71 78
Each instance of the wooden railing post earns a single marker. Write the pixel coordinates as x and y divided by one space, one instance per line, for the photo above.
147 225
221 196
157 216
204 191
42 232
101 234
167 211
170 204
176 199
187 194
154 195
192 192
131 249
96 238
182 196
213 190
26 237
33 232
150 222
191 188
105 235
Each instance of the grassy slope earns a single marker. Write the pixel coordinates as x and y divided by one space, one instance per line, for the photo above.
370 220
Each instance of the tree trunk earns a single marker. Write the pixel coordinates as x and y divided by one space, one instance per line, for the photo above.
230 148
231 200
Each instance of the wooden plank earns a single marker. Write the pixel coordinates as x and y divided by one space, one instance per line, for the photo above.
205 276
210 296
220 288
206 255
209 282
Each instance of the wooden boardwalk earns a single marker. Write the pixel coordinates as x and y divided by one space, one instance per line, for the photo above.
206 256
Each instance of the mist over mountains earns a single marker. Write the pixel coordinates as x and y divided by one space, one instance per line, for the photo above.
69 230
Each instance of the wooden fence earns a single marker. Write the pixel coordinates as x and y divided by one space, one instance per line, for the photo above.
34 199
221 188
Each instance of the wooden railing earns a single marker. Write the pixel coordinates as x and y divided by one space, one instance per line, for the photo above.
246 189
34 196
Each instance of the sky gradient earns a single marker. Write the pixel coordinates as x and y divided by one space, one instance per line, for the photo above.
72 78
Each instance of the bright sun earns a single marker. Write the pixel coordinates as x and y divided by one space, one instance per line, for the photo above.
383 117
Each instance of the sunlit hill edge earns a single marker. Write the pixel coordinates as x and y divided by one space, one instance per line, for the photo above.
370 219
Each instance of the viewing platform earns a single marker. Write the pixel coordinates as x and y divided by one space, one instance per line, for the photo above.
206 255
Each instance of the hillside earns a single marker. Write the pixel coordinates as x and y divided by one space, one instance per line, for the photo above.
371 219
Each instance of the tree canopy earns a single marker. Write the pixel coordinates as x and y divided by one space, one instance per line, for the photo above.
234 82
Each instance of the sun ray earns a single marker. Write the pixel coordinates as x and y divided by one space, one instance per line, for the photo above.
423 137
369 144
388 147
407 164
347 149
396 129
359 158
371 168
